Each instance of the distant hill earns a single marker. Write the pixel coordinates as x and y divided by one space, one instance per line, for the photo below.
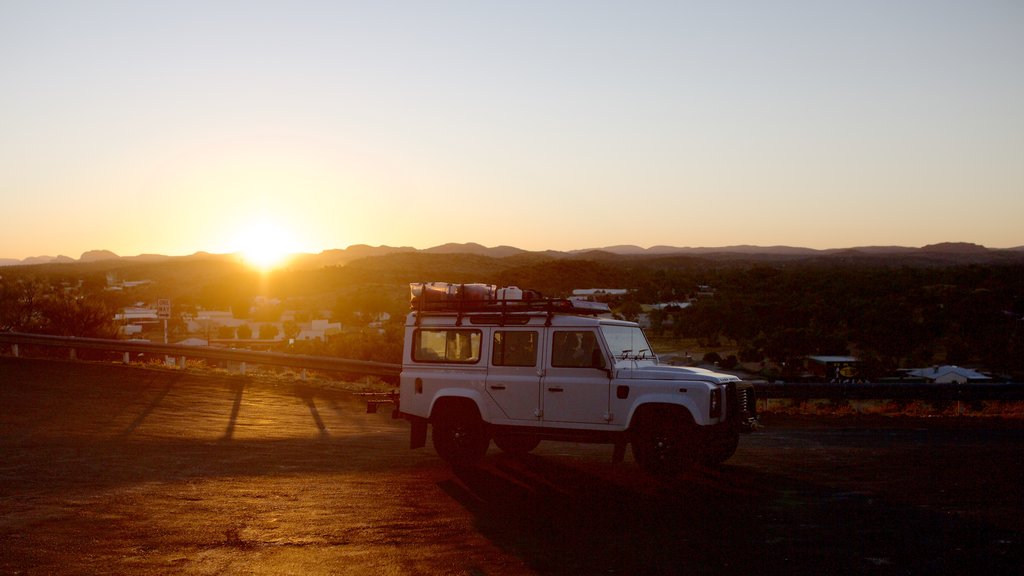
955 248
662 250
946 252
474 248
340 257
97 255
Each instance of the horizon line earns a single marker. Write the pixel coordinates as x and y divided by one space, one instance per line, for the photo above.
103 254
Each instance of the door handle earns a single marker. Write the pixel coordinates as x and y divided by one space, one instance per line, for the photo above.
497 387
556 389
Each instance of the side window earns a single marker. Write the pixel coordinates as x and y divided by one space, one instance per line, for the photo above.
461 346
576 349
514 348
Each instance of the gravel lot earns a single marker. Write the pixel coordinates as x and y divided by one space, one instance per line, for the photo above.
116 470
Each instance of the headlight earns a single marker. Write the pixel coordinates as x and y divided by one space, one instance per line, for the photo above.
715 410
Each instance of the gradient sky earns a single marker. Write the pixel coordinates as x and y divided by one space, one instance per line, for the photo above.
173 127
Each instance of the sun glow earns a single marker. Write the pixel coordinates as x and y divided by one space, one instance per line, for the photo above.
265 245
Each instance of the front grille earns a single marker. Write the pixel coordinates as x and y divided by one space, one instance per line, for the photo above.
743 404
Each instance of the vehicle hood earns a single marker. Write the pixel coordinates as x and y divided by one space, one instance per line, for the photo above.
661 372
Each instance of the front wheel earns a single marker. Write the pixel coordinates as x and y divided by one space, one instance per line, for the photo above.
460 436
720 448
663 440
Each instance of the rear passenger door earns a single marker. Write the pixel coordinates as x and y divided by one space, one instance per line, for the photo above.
513 373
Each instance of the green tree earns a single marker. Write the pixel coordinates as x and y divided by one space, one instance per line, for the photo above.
69 315
291 329
657 319
269 331
21 304
244 332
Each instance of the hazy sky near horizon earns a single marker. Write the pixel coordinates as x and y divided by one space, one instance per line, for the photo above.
173 127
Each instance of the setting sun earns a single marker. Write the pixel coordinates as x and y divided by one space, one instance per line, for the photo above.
264 244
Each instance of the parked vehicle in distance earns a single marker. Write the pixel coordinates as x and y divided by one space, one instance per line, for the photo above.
481 363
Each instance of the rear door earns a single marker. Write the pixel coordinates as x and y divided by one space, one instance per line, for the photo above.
513 373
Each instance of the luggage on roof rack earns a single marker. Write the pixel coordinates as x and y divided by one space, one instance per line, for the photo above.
438 292
451 297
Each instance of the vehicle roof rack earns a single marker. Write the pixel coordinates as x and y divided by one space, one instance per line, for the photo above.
456 300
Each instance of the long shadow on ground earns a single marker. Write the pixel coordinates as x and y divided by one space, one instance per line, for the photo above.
563 520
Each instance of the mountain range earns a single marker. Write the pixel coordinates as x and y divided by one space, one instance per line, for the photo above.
952 252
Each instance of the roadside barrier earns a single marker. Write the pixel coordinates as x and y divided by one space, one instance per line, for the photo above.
244 358
937 392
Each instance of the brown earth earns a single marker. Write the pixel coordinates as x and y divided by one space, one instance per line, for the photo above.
114 470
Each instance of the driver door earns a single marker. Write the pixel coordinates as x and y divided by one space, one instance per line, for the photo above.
575 388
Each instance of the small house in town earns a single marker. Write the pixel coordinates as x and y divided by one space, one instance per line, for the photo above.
834 368
948 375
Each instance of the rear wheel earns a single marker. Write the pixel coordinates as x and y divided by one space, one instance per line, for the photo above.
664 440
460 436
516 444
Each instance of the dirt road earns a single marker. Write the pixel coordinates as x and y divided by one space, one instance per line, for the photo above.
113 470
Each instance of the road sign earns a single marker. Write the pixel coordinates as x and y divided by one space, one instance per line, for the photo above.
163 308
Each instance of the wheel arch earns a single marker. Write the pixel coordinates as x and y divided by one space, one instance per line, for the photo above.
455 397
652 403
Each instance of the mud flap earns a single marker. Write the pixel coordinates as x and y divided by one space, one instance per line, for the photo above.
418 434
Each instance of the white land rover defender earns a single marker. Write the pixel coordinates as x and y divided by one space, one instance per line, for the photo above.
481 363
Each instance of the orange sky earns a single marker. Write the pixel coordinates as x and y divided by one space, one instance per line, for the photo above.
151 128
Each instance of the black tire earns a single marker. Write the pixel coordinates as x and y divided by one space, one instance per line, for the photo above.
664 439
516 444
720 448
460 437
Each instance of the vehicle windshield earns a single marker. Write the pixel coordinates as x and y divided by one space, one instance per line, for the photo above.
627 342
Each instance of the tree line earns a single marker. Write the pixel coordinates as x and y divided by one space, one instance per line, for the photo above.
889 315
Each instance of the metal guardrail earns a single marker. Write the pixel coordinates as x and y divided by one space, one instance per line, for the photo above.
932 391
127 347
969 392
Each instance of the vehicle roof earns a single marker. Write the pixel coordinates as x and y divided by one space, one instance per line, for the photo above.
509 320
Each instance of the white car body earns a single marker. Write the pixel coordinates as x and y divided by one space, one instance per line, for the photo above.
556 375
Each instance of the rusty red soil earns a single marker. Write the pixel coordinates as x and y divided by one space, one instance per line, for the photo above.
124 470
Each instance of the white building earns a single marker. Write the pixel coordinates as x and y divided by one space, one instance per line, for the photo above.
318 330
599 293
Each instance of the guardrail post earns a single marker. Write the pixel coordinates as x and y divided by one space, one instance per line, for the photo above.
73 355
241 368
14 350
126 358
182 365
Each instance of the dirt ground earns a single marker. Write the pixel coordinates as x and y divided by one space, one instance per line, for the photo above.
114 470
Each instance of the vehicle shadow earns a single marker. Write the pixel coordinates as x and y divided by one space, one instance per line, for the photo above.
568 519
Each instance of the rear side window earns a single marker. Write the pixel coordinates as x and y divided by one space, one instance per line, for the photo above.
514 348
458 346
